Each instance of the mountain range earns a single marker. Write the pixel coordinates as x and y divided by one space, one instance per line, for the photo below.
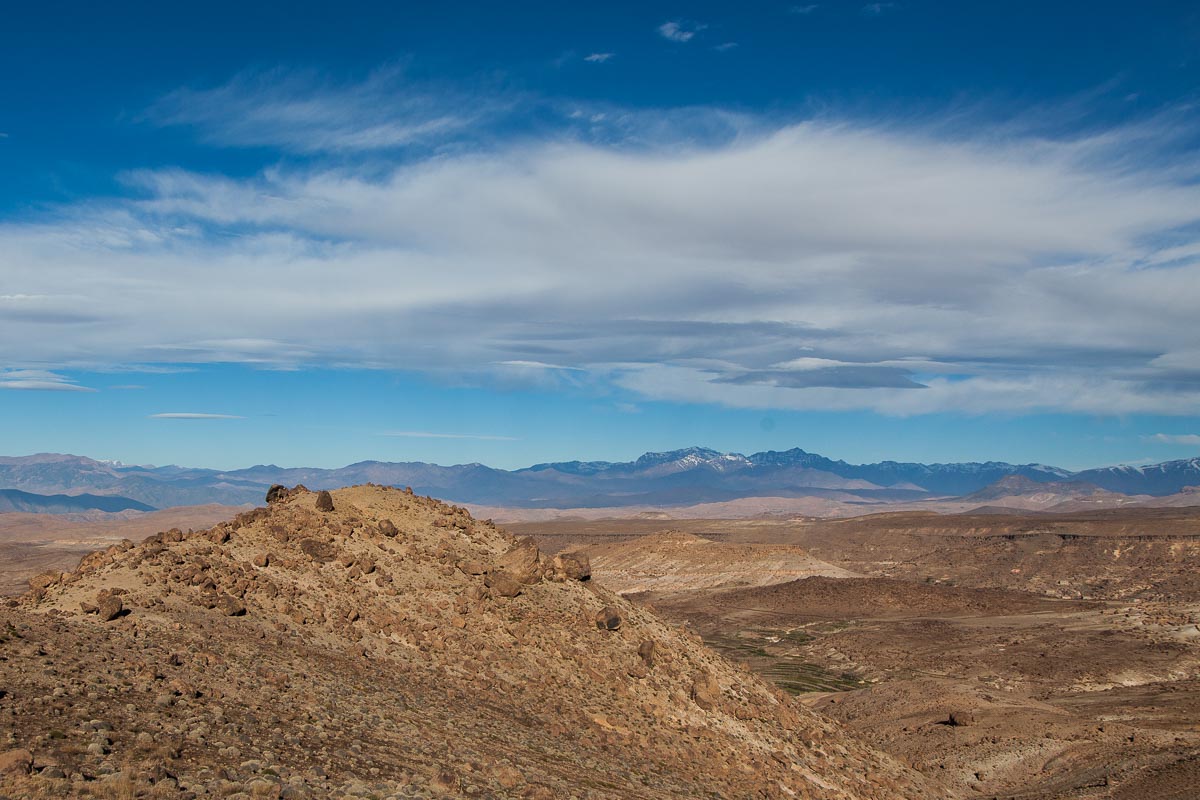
14 500
675 478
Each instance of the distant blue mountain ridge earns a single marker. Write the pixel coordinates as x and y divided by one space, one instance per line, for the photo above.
678 477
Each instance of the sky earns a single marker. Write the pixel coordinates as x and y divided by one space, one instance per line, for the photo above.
313 234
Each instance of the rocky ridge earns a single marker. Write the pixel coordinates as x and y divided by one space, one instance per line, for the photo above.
370 642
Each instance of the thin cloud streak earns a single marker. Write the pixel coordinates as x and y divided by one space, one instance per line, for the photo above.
192 415
39 380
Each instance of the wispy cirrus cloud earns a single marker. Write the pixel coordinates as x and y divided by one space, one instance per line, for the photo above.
307 113
875 9
680 30
192 415
598 58
804 9
38 380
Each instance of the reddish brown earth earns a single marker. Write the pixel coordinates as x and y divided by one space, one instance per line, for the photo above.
370 643
1064 647
33 543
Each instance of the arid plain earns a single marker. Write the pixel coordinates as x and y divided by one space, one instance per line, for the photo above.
1002 655
319 648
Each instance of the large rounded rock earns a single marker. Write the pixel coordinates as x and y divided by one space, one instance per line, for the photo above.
230 606
324 501
608 619
646 652
573 566
523 561
962 718
502 583
706 692
109 607
276 493
318 550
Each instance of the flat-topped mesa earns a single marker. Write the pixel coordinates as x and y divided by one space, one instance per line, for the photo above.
429 626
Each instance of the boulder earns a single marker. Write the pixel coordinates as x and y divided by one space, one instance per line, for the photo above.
16 762
43 581
962 719
573 566
277 493
706 692
646 652
324 501
230 606
318 550
608 619
109 607
523 561
388 528
503 583
262 560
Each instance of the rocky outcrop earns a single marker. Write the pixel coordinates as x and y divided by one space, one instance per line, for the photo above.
390 645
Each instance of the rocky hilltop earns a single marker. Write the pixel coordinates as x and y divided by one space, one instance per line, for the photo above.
373 643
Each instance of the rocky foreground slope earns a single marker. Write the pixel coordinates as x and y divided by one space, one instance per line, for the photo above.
374 643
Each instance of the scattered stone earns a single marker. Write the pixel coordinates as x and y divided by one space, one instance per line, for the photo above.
43 581
706 692
109 607
646 652
608 619
276 494
523 561
388 529
230 606
502 582
573 566
16 762
962 719
318 550
262 560
324 501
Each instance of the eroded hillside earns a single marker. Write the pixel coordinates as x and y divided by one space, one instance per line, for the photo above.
376 643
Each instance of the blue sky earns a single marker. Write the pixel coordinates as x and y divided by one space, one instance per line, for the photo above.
510 233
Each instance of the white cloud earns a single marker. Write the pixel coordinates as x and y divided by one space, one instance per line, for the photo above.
38 380
192 415
1190 439
432 435
874 9
537 365
804 9
827 264
725 47
680 31
598 58
305 113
